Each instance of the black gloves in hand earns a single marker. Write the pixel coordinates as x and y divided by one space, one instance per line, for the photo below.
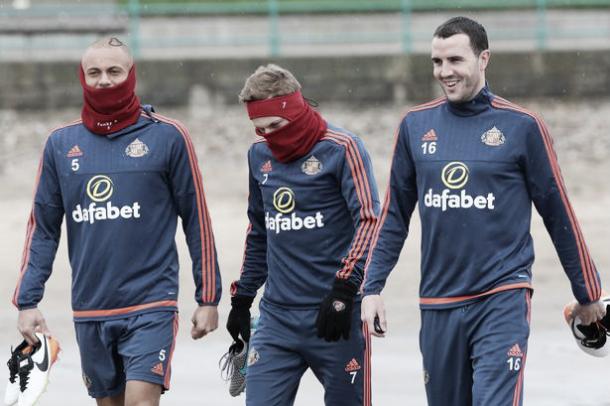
335 316
239 317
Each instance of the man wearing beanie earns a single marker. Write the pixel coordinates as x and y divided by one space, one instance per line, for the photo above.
312 208
121 176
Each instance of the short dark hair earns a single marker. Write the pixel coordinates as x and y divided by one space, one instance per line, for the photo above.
464 25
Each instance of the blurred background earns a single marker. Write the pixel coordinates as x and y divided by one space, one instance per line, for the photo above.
365 63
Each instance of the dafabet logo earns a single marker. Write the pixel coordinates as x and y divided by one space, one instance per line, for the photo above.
455 175
284 202
99 189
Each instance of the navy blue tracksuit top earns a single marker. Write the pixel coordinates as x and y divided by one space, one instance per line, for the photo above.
311 220
121 195
474 169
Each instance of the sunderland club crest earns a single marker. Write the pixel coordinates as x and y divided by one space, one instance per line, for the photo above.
136 149
312 166
493 137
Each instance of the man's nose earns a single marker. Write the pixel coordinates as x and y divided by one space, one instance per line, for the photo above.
446 70
104 80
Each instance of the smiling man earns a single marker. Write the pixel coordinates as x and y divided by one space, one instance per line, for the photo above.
475 163
121 176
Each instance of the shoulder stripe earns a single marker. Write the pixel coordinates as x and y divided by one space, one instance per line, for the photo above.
430 105
66 125
591 282
208 271
362 239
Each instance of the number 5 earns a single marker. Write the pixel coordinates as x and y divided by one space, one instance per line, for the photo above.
75 165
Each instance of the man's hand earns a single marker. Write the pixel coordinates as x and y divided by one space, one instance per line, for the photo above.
335 316
205 320
30 322
589 313
239 317
373 314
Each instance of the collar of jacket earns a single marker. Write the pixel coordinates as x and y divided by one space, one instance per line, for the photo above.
480 103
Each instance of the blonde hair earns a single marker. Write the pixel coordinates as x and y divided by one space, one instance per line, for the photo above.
268 81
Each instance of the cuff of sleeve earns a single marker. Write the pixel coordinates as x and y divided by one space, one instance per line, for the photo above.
369 292
27 307
345 286
241 301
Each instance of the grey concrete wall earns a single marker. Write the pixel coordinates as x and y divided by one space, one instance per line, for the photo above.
352 80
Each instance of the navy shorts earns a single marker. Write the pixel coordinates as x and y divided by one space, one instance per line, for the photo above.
475 354
285 344
138 348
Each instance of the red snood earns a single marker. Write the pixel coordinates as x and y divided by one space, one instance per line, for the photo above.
108 110
296 138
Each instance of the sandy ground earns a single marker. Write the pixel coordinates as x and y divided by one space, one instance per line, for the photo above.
557 373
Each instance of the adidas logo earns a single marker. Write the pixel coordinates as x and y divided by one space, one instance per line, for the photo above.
515 351
266 167
352 366
158 369
74 152
429 136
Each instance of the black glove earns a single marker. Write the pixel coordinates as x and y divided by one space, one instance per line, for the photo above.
239 317
335 315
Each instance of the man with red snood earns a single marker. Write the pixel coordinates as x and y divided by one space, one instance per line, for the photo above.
312 208
121 176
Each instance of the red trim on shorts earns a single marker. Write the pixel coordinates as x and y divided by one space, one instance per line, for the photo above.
367 392
168 370
519 386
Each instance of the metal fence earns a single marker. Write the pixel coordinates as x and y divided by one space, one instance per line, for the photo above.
278 27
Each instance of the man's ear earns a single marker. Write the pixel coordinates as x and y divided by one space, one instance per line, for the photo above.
484 57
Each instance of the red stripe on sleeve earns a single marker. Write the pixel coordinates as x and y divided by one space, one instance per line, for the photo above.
368 218
591 282
243 261
362 234
208 274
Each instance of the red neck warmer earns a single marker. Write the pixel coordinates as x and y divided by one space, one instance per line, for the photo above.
296 138
109 110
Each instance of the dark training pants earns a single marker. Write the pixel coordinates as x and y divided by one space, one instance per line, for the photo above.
475 354
285 344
